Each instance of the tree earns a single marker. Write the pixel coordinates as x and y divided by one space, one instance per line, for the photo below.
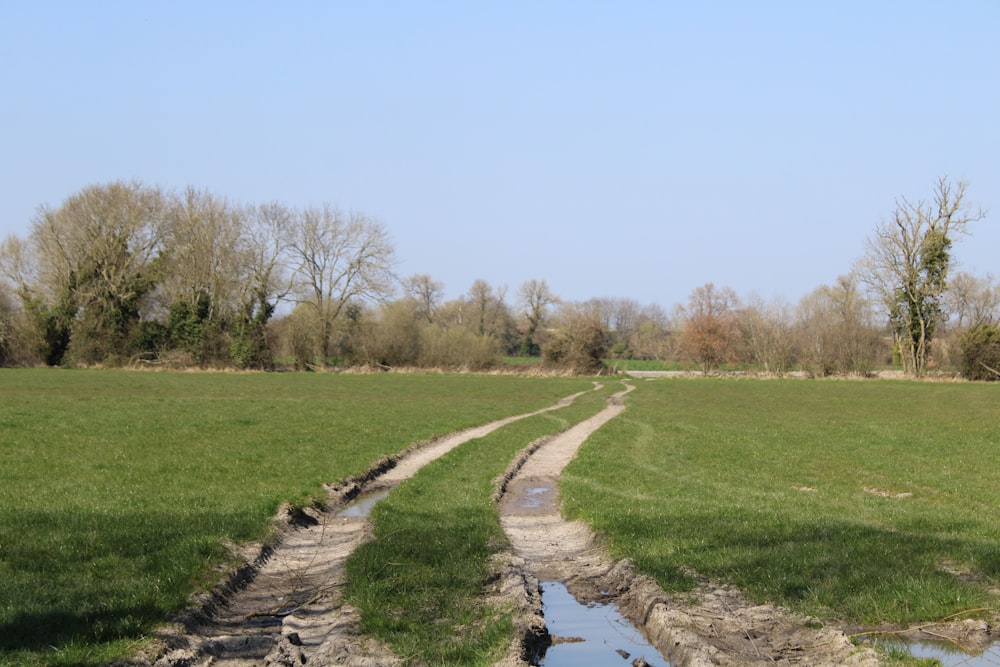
98 259
710 332
767 335
580 342
836 329
426 294
651 338
16 278
490 315
981 352
907 264
262 282
535 298
972 300
337 259
202 274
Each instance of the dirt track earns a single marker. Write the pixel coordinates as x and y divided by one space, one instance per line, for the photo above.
286 608
714 626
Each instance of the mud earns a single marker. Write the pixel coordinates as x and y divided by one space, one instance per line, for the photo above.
714 625
284 606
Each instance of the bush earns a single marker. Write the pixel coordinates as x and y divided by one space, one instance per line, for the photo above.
981 353
580 347
457 347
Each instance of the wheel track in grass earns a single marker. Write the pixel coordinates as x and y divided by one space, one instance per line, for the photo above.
713 625
285 607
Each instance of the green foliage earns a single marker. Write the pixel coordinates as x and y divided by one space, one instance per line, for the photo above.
54 325
250 347
120 488
186 323
824 496
981 353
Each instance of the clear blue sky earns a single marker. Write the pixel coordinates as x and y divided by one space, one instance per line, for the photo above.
623 149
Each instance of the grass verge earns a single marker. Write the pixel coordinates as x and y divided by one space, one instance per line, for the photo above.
121 489
419 583
866 502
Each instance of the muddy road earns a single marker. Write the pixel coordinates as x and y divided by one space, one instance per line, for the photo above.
285 607
715 625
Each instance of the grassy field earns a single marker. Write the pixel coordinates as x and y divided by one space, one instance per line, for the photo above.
863 501
418 584
120 489
871 502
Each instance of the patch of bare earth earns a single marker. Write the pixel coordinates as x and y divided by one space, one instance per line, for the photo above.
284 606
713 625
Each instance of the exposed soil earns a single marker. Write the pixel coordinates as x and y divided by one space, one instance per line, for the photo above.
714 625
285 607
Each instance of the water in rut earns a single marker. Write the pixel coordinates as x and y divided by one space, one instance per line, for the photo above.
592 634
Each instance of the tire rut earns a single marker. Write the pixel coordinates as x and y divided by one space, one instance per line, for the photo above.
714 625
285 607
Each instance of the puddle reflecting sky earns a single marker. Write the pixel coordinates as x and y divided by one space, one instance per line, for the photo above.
946 653
362 506
535 496
604 630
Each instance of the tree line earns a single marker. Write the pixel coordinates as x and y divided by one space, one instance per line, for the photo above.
127 274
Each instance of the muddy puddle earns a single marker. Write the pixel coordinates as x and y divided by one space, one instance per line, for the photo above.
946 653
591 634
362 506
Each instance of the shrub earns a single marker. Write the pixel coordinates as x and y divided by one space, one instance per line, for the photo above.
981 352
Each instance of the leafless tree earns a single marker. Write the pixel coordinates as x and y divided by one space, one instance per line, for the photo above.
337 259
709 331
652 337
972 300
489 312
204 258
768 334
837 330
426 293
535 298
907 263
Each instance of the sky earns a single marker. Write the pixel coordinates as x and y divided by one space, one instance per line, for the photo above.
632 149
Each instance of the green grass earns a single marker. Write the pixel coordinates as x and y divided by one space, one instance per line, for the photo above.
418 584
709 474
120 489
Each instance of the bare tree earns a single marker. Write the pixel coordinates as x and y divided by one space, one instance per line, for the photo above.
972 300
426 292
768 335
837 329
490 315
652 337
535 297
907 264
202 261
337 259
263 281
709 334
